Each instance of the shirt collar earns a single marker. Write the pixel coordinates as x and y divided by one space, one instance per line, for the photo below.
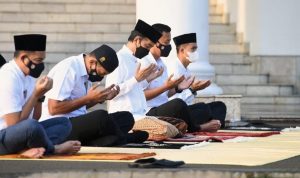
180 64
18 69
82 71
129 52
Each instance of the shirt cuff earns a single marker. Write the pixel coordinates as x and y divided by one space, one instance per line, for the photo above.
144 84
132 82
188 92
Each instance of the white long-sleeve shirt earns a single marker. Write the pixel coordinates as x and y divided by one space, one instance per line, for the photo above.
131 97
158 82
177 68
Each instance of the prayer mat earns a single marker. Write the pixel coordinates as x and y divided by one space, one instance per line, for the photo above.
156 145
88 156
200 138
237 134
218 136
252 126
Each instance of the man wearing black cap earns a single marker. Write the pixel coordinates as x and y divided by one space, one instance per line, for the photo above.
73 93
160 89
209 116
130 76
2 61
20 104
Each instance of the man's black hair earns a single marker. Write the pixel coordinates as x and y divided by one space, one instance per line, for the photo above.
134 34
161 28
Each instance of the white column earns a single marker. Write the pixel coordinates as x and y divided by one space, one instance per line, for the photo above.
184 16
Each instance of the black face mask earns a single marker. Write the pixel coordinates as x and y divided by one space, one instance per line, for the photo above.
141 52
165 50
94 77
35 70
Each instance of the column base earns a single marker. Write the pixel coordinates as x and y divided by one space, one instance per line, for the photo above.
232 102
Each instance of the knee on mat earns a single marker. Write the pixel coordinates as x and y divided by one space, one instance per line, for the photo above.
221 109
66 123
100 115
33 126
67 127
221 106
100 112
179 102
129 118
99 118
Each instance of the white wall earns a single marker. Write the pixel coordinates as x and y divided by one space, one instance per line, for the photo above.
183 16
272 27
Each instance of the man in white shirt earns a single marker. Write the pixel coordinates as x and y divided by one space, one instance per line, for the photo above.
160 89
2 61
209 115
20 104
133 79
72 94
129 75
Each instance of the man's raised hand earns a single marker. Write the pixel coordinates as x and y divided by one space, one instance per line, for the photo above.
186 83
200 85
43 85
142 74
155 74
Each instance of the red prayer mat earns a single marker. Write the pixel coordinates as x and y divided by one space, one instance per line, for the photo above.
218 136
199 138
238 134
88 156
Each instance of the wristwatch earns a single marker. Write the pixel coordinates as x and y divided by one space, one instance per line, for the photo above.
41 99
193 92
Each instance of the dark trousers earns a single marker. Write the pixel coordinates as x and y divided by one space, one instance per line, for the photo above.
98 128
176 108
124 120
204 112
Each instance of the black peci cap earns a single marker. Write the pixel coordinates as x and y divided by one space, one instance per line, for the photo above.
30 42
107 57
2 60
185 38
147 30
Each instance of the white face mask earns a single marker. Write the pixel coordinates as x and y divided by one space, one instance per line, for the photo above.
193 56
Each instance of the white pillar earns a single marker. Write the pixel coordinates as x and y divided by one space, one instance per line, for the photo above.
184 16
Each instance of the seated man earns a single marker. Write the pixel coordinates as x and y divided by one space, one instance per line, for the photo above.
2 61
158 91
209 114
20 104
133 79
72 94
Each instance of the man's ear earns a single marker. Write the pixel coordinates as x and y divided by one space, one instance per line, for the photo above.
24 58
157 45
138 41
181 49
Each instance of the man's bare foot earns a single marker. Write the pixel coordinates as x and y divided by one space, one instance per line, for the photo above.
68 147
33 153
211 126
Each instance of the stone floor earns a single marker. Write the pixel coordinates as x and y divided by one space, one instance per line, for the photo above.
289 168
